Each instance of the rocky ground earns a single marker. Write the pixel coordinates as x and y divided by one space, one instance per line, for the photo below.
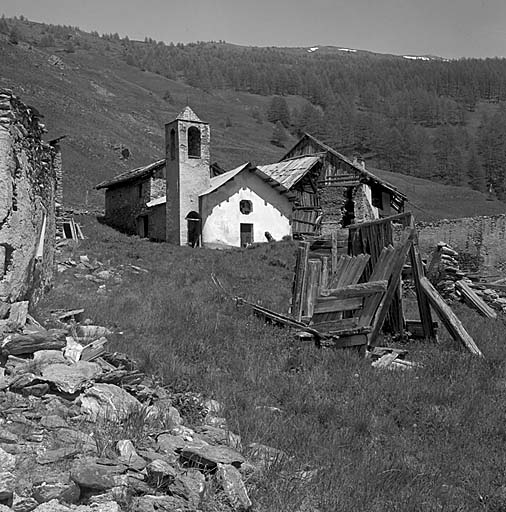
83 429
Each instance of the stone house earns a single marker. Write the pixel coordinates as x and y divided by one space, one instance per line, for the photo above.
184 200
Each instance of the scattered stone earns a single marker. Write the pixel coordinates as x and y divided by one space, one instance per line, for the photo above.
71 378
7 461
53 421
37 390
23 504
108 402
98 474
191 486
7 437
265 456
128 455
150 503
214 435
52 506
64 492
233 486
7 483
207 457
51 456
160 473
16 344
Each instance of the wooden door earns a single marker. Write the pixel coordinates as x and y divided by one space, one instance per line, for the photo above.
246 235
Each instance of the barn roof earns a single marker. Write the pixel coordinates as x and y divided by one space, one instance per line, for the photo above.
133 174
364 172
288 172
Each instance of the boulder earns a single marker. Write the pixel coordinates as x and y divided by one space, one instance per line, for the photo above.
44 358
231 482
7 483
71 378
191 486
160 473
64 492
96 474
52 506
16 344
7 461
215 435
207 457
23 504
7 437
51 456
108 402
150 503
128 455
71 438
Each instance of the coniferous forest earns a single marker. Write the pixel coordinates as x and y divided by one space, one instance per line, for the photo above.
440 119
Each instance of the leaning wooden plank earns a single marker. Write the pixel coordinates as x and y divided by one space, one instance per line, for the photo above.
279 318
355 290
334 325
404 218
341 270
471 298
324 281
344 341
423 304
313 283
300 279
398 259
448 317
331 305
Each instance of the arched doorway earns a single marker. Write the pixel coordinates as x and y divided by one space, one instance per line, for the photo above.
193 223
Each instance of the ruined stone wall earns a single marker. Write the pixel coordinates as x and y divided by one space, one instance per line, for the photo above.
481 238
27 203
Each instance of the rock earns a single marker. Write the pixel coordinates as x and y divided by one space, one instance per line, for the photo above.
108 402
160 473
44 358
128 455
191 486
24 504
207 457
265 456
37 390
7 461
16 344
53 421
75 439
173 416
106 506
7 437
51 456
150 503
64 492
169 444
215 421
7 483
214 435
231 481
98 474
52 506
73 378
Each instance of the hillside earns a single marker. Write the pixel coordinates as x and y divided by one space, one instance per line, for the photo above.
89 92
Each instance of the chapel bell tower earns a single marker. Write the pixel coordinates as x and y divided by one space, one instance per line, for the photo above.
187 165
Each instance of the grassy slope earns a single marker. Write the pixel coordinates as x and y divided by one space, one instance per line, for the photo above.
430 200
429 439
100 103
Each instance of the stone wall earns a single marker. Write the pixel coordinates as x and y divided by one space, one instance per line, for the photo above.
482 239
27 203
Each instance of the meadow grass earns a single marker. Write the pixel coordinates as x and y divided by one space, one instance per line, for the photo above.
428 439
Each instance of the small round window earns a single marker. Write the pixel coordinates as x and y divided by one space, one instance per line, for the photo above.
246 207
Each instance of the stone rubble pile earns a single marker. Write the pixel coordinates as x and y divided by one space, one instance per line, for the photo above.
444 271
82 429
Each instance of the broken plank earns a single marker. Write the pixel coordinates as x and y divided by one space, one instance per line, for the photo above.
473 300
355 290
332 305
449 318
385 360
313 283
300 279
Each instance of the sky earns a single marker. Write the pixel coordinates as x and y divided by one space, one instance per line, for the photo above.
448 28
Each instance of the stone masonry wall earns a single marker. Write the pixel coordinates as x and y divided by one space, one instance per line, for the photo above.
482 238
27 203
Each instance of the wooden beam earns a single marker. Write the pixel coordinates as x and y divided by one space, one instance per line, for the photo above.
400 216
332 305
313 283
423 304
449 318
473 300
299 287
355 290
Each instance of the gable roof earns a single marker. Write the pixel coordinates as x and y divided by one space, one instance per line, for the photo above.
133 174
364 172
187 114
289 172
221 179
